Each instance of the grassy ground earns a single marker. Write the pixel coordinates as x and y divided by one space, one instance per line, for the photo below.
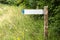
16 26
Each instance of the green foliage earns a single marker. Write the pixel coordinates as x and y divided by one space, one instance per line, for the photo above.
54 24
34 3
16 2
11 2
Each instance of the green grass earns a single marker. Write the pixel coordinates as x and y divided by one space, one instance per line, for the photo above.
16 26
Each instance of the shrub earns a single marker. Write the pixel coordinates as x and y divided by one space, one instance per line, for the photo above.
11 2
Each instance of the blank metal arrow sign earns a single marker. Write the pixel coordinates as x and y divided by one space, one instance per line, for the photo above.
33 11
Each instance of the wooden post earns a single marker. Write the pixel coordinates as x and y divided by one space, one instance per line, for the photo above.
45 22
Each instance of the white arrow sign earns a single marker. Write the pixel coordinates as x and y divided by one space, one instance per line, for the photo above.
33 11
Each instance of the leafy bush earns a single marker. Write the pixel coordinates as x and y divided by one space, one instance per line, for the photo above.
11 2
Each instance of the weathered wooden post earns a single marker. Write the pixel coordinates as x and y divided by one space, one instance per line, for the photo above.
45 22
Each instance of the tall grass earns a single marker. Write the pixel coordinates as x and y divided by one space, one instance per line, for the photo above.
16 26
